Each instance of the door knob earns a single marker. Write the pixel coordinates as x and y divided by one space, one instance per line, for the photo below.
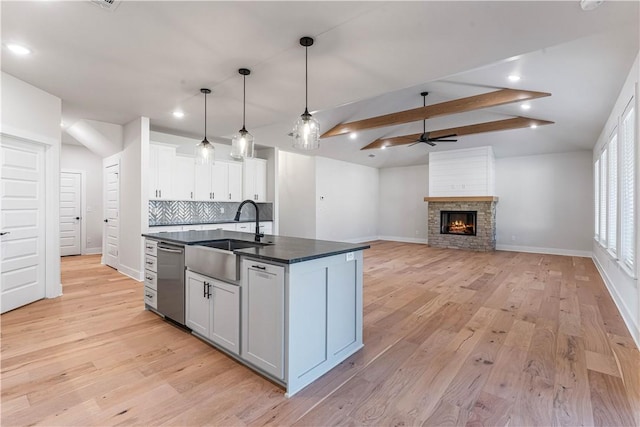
106 220
4 233
78 218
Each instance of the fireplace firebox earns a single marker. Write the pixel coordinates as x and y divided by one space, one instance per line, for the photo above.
458 222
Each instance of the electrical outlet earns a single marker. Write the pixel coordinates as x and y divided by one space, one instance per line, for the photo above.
221 210
350 256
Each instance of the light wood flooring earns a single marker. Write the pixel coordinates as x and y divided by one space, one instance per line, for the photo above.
451 338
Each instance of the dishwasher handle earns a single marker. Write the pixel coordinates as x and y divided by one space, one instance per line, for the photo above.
173 251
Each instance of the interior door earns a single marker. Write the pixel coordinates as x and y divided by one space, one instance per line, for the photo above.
112 220
70 213
23 247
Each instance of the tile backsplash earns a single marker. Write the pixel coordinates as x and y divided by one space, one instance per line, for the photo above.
169 212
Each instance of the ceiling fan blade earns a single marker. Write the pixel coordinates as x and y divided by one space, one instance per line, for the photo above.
491 99
429 142
444 140
438 138
513 123
393 141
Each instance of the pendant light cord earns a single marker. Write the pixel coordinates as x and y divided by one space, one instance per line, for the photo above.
244 98
306 78
424 104
205 115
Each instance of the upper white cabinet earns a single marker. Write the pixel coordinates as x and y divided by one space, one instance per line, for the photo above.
161 161
254 180
184 178
221 182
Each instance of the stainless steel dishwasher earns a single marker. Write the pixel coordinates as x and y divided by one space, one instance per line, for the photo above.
171 281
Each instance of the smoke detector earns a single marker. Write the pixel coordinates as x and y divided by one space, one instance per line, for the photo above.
590 4
109 5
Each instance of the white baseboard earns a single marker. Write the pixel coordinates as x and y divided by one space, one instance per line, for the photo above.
131 272
361 239
624 311
92 251
549 251
404 239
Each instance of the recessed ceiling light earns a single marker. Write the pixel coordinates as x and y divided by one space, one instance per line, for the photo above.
353 135
525 106
61 124
384 147
18 49
178 114
533 126
590 4
372 155
514 77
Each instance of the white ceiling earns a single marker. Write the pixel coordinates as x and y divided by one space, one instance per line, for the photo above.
149 58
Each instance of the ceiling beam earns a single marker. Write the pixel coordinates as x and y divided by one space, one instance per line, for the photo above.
476 102
498 125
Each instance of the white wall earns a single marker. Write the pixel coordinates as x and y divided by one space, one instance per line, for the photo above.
297 195
402 209
80 158
622 286
545 203
187 145
346 201
465 172
103 139
133 201
33 114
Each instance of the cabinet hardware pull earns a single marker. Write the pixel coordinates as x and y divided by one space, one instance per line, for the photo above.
149 262
229 196
208 290
149 295
259 267
149 278
204 289
160 193
192 194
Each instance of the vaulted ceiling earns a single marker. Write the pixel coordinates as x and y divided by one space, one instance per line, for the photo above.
369 58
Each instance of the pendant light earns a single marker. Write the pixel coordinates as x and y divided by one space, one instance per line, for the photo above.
205 150
242 142
306 131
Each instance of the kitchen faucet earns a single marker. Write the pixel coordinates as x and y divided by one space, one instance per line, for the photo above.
237 218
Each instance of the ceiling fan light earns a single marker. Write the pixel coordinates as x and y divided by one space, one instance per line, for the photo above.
513 77
590 4
242 145
533 126
525 106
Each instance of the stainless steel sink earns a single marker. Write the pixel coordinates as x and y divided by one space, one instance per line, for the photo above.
232 245
216 259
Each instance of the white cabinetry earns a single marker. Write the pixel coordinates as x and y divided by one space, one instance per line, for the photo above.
161 159
263 316
183 178
266 227
150 273
213 310
221 182
254 180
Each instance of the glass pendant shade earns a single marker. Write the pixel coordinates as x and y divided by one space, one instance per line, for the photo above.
205 153
242 145
306 132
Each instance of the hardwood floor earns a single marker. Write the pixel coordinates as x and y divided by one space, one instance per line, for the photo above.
451 338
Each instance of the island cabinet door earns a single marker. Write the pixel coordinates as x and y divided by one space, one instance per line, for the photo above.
198 306
225 315
263 316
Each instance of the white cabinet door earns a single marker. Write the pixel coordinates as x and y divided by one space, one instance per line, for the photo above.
246 227
249 179
198 305
235 182
202 186
225 315
161 159
266 227
220 182
263 316
261 180
184 178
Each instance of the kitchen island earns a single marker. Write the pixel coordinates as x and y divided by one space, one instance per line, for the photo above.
292 311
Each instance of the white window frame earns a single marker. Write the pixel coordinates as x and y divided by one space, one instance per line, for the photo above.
612 195
603 198
596 199
629 222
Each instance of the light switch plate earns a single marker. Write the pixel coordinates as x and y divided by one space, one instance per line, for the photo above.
350 256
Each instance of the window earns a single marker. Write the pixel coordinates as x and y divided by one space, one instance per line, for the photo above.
612 191
627 187
596 199
603 198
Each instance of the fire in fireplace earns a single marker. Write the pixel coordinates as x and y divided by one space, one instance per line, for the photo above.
458 222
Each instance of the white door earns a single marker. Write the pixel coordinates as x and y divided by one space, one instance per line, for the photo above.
70 213
112 220
23 246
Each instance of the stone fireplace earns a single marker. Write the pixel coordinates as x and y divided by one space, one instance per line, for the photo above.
462 222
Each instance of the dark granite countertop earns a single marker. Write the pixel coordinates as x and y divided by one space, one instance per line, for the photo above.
286 250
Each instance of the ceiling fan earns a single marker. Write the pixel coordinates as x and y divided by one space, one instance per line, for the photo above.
425 136
461 105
